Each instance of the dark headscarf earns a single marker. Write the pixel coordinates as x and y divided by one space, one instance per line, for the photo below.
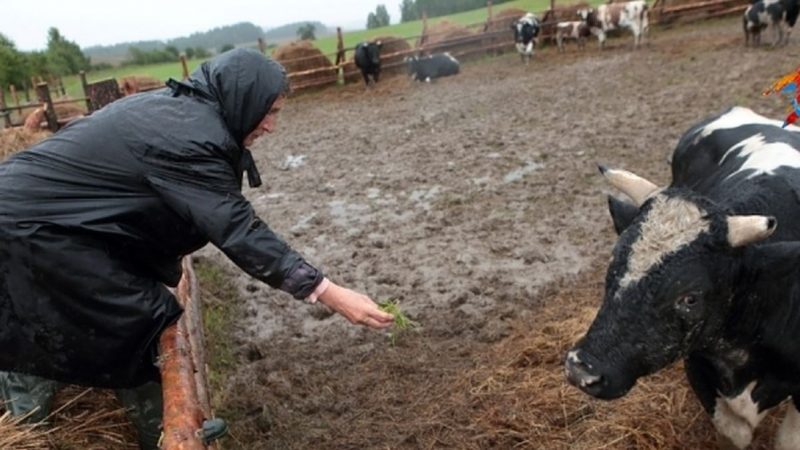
243 82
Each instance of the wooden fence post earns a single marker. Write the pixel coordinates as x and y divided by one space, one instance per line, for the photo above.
340 55
27 92
85 87
43 93
489 11
552 5
14 95
262 47
424 36
6 114
185 67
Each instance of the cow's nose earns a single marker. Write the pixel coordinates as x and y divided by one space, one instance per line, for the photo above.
580 373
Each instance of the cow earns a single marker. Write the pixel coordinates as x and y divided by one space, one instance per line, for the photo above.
368 60
613 16
526 31
707 270
780 15
427 68
576 30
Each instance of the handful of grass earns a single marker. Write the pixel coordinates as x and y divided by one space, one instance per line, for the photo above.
401 321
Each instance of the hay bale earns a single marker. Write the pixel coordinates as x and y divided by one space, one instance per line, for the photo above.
446 36
13 140
502 20
393 51
303 56
133 84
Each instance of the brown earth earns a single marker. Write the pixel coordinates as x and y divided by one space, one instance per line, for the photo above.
475 202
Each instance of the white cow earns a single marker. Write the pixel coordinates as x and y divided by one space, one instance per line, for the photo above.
612 16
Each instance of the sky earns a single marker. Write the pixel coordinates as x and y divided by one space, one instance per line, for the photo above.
107 22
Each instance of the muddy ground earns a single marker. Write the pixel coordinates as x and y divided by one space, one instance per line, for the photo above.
476 203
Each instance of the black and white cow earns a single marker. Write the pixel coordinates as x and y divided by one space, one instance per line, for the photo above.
368 60
427 68
574 30
526 31
780 15
612 16
707 270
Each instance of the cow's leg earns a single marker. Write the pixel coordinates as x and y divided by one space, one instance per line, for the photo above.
376 75
366 77
777 33
789 433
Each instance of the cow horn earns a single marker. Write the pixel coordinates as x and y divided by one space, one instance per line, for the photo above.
632 185
743 230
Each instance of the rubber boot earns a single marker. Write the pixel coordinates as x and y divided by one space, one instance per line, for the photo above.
27 395
145 408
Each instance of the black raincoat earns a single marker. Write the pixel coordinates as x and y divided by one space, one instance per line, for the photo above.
94 221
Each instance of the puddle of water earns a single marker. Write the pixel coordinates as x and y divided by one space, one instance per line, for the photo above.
293 161
518 174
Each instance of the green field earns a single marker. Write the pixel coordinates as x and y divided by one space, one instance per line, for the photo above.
327 45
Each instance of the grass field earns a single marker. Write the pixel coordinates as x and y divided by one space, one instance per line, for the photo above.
409 30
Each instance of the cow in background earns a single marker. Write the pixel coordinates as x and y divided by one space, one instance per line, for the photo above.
577 30
780 15
368 60
427 68
707 270
526 31
613 16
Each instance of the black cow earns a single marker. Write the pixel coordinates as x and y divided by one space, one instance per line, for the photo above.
526 30
368 60
780 15
427 68
708 270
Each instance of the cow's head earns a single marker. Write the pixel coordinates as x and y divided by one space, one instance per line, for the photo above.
668 286
411 65
586 15
374 52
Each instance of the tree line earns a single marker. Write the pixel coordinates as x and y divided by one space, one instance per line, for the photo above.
62 57
413 9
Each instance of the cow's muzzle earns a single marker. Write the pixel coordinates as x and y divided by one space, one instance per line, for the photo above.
581 374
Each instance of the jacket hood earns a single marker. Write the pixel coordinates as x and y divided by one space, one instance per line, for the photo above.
244 83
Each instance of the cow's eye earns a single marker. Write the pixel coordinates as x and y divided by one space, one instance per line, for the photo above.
687 301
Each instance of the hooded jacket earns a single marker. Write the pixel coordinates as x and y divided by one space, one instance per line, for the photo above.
95 219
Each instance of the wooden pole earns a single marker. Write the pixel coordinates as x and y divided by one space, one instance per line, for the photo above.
552 5
6 114
14 95
184 67
489 11
85 87
423 38
262 46
27 92
43 93
340 55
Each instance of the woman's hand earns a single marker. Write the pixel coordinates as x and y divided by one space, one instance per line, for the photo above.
355 307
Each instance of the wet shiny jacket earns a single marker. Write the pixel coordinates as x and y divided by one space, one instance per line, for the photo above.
94 221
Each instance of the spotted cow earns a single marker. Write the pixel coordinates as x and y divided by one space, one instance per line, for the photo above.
526 31
780 15
612 16
573 30
706 270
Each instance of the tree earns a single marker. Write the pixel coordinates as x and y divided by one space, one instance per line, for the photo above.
226 47
372 21
13 64
189 52
65 56
382 16
408 11
201 52
172 50
307 32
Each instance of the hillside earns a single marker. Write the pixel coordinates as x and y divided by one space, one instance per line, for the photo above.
213 39
288 32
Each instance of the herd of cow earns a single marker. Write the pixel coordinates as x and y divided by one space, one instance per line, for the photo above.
706 269
779 15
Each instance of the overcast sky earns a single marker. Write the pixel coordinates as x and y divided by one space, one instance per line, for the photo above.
106 22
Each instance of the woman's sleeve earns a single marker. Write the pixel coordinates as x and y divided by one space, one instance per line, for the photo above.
202 188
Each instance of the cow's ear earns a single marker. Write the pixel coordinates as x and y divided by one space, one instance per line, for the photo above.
775 259
622 213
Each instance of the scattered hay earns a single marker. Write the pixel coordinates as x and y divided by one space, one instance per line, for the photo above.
519 398
13 140
502 20
303 57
